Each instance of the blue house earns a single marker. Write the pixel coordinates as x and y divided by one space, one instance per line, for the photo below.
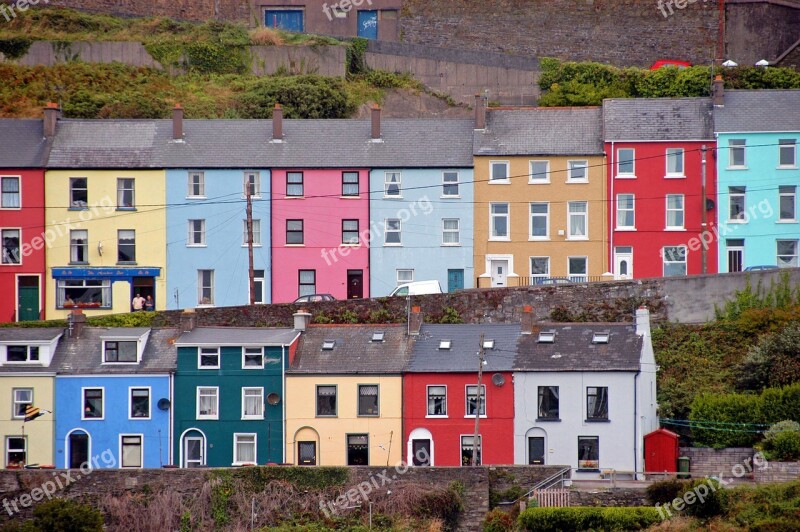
113 395
758 175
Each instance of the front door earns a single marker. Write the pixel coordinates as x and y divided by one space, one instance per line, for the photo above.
27 298
455 280
422 452
735 254
499 273
623 262
355 284
193 452
535 450
368 24
306 453
78 449
146 286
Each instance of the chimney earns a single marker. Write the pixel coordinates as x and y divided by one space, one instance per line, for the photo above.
277 123
642 321
188 320
376 122
301 319
480 112
718 91
177 122
526 321
78 321
414 321
52 113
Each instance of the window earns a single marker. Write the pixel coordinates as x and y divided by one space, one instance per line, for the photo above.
115 351
208 358
9 187
540 172
392 234
597 403
205 287
197 185
498 222
450 232
736 153
674 261
307 282
252 403
197 233
405 276
499 171
788 203
294 232
548 402
126 245
540 267
326 401
16 451
626 161
11 253
252 182
488 344
472 400
349 183
131 450
787 152
577 213
378 336
450 184
22 353
22 398
244 449
294 184
367 399
625 211
258 286
92 403
735 254
328 345
577 269
357 449
256 232
540 221
547 337
787 253
392 185
79 246
207 402
350 232
78 193
437 400
126 193
253 357
466 450
736 203
576 171
445 344
140 403
83 292
601 337
588 452
674 162
675 211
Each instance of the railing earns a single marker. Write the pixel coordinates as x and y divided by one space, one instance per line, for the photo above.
515 282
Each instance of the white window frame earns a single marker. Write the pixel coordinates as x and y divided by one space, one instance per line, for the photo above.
387 183
149 402
28 359
245 353
119 341
681 210
456 231
256 233
105 290
377 399
236 436
789 145
664 260
539 275
201 185
536 178
573 276
191 232
483 407
102 403
122 454
499 180
585 215
446 183
201 287
121 193
574 164
621 210
131 233
18 193
493 216
546 217
401 281
626 175
427 400
255 179
794 260
734 145
682 159
200 353
74 236
3 262
480 446
790 191
8 448
260 390
15 401
198 415
731 195
399 232
75 205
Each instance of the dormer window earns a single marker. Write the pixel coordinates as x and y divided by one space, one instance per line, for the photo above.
488 344
547 337
445 344
600 337
208 358
378 336
327 345
22 353
117 351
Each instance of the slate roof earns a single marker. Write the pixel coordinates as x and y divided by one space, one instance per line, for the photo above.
758 110
236 336
354 351
573 349
541 131
107 144
463 354
29 334
22 144
84 355
653 119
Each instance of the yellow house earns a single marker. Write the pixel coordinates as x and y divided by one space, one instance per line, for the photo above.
344 396
106 217
27 380
540 196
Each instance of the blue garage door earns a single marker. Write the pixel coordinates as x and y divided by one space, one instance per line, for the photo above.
285 19
368 24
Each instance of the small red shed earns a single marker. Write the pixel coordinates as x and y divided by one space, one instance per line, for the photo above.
661 451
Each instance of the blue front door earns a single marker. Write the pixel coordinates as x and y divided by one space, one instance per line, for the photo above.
284 19
368 24
455 280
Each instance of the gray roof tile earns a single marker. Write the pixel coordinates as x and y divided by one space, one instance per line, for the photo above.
235 336
84 355
653 119
22 144
106 144
463 354
758 110
29 334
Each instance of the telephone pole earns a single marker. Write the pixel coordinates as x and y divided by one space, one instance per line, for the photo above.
251 272
476 437
703 224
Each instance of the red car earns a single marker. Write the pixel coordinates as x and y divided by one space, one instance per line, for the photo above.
661 63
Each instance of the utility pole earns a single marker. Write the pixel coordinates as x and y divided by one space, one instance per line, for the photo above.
703 224
475 438
251 273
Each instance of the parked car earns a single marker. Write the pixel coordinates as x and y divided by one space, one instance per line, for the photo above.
760 268
417 288
552 281
661 63
313 298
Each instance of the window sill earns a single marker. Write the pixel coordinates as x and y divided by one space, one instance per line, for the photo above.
675 229
499 181
125 209
675 176
786 168
139 418
450 246
548 420
254 245
196 197
436 417
349 245
253 418
205 305
472 416
351 197
196 245
736 221
126 263
252 196
85 307
207 367
211 418
736 168
578 238
77 208
11 264
292 197
576 182
786 222
531 182
83 263
294 245
623 229
449 197
368 415
19 209
497 239
598 420
392 197
328 416
393 245
93 419
539 239
625 176
584 470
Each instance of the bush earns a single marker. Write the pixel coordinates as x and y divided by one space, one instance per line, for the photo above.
62 515
714 502
585 518
782 441
665 491
497 521
300 96
774 361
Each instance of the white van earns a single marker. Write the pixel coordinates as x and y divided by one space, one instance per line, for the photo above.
417 288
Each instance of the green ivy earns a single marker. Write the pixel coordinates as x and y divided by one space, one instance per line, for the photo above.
357 56
15 48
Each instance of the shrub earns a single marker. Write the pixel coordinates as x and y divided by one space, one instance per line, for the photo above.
584 518
306 96
497 521
774 361
725 420
714 502
665 491
782 441
59 515
265 37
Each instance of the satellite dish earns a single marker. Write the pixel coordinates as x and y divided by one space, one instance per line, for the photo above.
498 379
163 404
273 398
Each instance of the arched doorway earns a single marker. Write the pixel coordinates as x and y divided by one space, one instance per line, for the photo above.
536 446
78 448
419 448
193 448
306 443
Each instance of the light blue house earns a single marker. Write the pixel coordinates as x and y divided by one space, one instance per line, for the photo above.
421 206
113 395
209 166
758 176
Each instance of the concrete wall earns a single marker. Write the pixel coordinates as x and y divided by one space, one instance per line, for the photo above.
745 25
322 60
779 472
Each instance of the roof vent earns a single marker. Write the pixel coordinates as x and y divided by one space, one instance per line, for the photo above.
378 336
445 344
600 337
327 345
547 337
488 344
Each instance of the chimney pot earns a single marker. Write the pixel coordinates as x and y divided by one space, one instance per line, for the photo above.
414 321
376 122
277 123
52 113
301 319
526 320
643 321
718 91
480 112
177 122
188 320
78 319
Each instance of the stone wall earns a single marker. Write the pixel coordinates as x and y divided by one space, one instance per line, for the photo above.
608 497
778 472
705 461
747 20
199 10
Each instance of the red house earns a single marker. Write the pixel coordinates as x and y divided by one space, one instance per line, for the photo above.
441 399
654 150
23 233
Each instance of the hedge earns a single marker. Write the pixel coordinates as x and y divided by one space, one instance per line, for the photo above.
585 518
